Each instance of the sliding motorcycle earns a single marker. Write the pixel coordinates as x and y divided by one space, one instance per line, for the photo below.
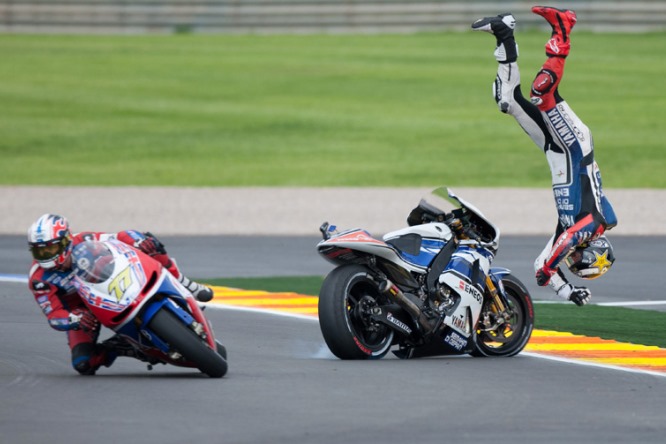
150 311
425 290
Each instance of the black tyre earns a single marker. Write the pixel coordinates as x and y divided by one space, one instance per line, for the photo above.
221 349
188 343
510 338
346 297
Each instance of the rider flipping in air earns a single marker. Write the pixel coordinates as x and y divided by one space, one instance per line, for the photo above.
583 210
51 282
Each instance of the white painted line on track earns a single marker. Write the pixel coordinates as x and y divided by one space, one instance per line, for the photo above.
261 310
593 364
214 305
14 278
24 279
605 304
524 353
630 303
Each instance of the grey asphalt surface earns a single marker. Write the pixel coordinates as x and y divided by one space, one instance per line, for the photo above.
284 386
634 276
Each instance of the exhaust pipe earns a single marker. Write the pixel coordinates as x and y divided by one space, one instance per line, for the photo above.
389 288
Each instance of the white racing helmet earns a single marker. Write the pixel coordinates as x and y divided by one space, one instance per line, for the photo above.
592 259
50 240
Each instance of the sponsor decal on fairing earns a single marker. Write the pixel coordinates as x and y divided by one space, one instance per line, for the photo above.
356 236
471 290
459 323
455 340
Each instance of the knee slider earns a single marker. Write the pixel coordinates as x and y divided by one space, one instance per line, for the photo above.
81 355
84 368
543 82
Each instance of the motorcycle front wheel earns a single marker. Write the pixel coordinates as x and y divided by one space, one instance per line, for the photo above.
510 338
189 344
345 301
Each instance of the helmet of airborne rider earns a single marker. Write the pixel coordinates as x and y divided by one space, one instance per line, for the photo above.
50 240
592 259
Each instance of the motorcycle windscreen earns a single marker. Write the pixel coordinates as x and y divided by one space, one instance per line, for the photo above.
108 274
93 262
445 200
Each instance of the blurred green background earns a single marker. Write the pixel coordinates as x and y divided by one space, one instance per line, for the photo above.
316 110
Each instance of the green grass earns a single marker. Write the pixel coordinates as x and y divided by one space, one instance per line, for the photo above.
320 110
308 285
622 324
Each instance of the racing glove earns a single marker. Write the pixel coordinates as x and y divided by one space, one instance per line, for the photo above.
578 295
150 245
80 319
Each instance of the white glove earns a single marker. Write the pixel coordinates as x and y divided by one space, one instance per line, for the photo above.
578 295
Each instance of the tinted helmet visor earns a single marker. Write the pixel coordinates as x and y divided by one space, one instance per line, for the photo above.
44 251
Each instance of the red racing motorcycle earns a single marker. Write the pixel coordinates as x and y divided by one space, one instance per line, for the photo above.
133 295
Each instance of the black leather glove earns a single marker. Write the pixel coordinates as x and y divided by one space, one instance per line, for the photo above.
150 245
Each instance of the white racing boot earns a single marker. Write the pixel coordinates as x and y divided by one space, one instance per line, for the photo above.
200 292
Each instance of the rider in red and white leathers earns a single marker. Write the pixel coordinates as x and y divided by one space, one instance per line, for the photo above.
50 280
584 211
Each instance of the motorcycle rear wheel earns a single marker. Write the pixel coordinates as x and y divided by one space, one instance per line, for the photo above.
188 343
345 298
513 337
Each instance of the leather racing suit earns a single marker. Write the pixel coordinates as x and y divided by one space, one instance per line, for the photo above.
584 212
55 293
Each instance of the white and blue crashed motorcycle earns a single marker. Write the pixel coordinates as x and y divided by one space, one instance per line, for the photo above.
428 289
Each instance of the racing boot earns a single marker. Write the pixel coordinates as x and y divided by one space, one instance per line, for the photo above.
87 358
501 26
200 292
543 93
578 295
561 21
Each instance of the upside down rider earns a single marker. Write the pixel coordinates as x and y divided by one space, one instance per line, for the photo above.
584 212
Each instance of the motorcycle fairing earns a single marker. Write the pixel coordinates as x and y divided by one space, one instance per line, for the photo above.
465 259
418 245
343 248
118 292
454 340
427 250
125 287
468 310
450 342
465 274
432 230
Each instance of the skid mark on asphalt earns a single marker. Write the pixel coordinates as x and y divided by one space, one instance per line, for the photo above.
559 345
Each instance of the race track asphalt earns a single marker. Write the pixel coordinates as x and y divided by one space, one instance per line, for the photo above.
284 386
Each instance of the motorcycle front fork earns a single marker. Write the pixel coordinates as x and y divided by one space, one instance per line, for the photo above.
499 306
